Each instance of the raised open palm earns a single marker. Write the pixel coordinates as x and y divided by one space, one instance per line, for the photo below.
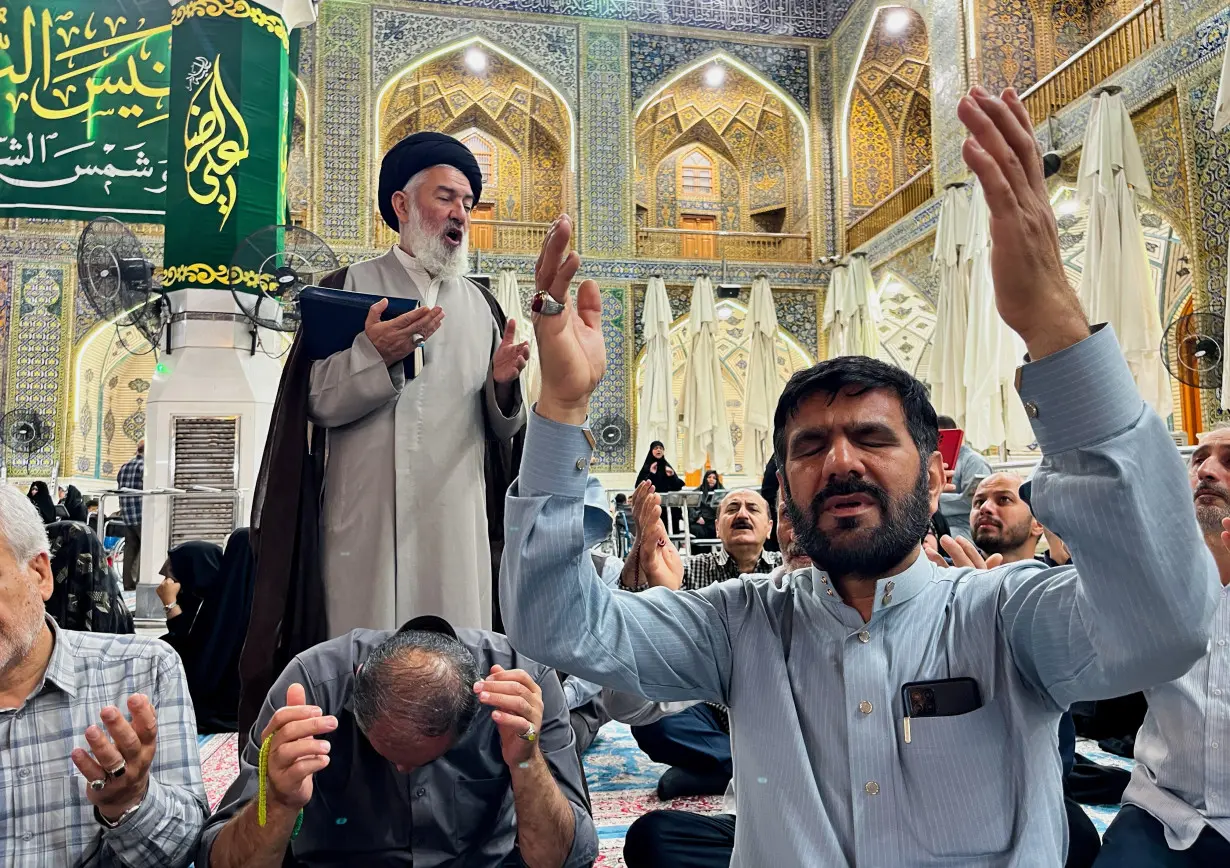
570 346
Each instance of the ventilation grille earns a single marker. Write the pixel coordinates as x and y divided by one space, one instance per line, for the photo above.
205 452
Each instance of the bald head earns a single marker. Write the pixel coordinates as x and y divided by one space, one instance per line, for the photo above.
1001 522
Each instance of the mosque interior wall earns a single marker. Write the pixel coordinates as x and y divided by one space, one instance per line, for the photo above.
609 119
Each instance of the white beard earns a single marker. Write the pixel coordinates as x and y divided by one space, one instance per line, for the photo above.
430 249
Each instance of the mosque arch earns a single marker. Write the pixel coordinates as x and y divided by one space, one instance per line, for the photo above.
733 348
106 413
755 135
529 124
886 115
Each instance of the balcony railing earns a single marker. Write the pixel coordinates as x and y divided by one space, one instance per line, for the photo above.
507 236
1129 38
661 243
900 202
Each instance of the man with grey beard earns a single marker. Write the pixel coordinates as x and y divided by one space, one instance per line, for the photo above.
1176 809
405 518
98 752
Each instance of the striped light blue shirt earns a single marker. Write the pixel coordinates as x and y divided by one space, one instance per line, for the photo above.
823 773
1182 773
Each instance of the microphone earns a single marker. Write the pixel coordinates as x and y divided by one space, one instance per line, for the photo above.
1051 163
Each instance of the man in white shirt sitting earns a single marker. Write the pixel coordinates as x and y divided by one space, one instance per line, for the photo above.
1176 810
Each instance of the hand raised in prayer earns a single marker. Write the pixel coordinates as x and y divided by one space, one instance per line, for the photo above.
123 760
517 711
657 558
510 359
1031 291
396 338
570 345
963 553
295 754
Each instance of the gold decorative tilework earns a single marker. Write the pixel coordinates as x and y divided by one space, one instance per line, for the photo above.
524 121
890 113
754 141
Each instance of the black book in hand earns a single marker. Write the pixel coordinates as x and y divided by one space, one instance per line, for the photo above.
330 320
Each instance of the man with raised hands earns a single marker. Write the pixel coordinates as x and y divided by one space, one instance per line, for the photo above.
884 711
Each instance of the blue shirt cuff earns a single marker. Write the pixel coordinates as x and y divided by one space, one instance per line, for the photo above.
1080 396
555 459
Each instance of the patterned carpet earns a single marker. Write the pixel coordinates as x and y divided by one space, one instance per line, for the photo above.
621 784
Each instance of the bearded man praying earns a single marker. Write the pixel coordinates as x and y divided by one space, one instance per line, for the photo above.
886 711
410 494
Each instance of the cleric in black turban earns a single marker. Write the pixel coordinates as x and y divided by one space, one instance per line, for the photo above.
421 151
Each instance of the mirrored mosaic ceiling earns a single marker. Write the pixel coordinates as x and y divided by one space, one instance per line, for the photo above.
802 18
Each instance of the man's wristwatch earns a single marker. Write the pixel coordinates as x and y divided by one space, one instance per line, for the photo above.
104 822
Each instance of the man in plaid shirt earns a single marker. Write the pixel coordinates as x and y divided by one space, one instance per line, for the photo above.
135 797
695 742
132 475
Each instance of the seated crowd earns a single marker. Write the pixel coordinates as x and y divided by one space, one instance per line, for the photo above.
875 695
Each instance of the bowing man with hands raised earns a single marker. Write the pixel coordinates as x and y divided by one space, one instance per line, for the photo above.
886 711
423 747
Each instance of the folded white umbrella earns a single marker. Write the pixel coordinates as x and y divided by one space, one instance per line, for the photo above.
947 374
655 417
509 297
994 415
706 433
1117 284
863 317
764 386
834 323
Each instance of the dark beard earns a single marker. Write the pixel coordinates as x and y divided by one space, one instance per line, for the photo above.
1010 539
873 551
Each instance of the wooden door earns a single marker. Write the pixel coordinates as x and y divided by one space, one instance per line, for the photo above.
482 233
700 246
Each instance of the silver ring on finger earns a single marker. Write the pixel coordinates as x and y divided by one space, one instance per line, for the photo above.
417 339
545 305
98 785
530 734
118 771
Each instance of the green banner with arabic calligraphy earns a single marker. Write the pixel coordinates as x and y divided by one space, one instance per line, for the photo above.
84 104
230 92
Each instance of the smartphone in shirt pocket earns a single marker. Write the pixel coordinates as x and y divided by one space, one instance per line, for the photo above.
952 767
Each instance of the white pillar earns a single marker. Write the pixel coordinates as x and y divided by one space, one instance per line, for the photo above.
210 371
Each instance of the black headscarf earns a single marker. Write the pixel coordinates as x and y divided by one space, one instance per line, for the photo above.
86 594
75 504
421 151
197 566
40 496
216 598
706 487
662 482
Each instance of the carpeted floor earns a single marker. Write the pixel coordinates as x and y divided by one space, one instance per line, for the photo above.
621 784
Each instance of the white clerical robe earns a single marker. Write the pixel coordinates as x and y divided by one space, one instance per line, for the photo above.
403 508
